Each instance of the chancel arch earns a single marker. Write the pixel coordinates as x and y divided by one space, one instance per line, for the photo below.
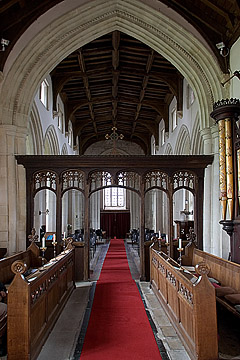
187 53
31 60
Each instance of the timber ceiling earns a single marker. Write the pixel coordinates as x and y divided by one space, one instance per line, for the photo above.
116 80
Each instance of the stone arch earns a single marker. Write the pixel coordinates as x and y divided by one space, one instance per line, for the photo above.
183 143
51 146
35 133
73 29
64 150
168 150
196 138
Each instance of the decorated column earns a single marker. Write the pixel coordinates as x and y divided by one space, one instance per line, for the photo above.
226 113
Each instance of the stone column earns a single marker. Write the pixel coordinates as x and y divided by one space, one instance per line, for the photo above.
207 204
12 189
217 233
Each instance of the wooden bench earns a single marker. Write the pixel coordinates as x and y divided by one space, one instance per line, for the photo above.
189 302
35 302
31 257
226 272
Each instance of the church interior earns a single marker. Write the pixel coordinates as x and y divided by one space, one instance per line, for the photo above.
120 179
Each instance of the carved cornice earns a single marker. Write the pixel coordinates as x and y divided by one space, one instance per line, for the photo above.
226 108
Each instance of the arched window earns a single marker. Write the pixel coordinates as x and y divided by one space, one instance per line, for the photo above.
44 90
115 198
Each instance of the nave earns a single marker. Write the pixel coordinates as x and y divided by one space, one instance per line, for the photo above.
66 340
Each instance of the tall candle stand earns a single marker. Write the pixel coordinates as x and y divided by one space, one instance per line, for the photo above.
180 250
54 248
43 249
159 244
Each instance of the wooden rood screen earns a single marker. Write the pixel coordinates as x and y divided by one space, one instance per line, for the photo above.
190 303
137 173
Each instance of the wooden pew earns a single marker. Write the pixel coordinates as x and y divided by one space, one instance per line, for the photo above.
31 257
35 302
226 272
189 302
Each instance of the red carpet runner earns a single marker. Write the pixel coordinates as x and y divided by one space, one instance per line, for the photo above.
118 327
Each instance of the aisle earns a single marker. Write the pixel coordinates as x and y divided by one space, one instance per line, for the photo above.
118 327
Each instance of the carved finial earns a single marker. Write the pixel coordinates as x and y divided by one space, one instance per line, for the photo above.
69 241
33 237
18 267
202 268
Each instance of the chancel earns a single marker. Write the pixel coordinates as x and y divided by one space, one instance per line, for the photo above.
120 178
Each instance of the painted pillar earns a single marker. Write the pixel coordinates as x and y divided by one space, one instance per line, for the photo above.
226 113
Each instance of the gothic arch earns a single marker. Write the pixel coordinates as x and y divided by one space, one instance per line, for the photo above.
33 59
51 146
64 150
168 150
183 143
35 132
196 138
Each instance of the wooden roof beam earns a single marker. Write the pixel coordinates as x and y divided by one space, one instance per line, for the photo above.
193 12
223 12
86 86
143 90
115 65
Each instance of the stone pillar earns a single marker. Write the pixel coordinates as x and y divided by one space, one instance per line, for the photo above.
217 233
207 204
12 189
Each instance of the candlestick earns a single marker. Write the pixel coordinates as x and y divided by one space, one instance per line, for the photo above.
43 248
180 255
167 243
64 235
54 248
159 234
180 243
43 242
54 245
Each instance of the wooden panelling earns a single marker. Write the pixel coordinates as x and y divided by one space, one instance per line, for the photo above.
227 272
34 304
190 303
31 257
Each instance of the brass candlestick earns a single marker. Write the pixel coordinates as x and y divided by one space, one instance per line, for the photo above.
180 250
54 248
43 249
